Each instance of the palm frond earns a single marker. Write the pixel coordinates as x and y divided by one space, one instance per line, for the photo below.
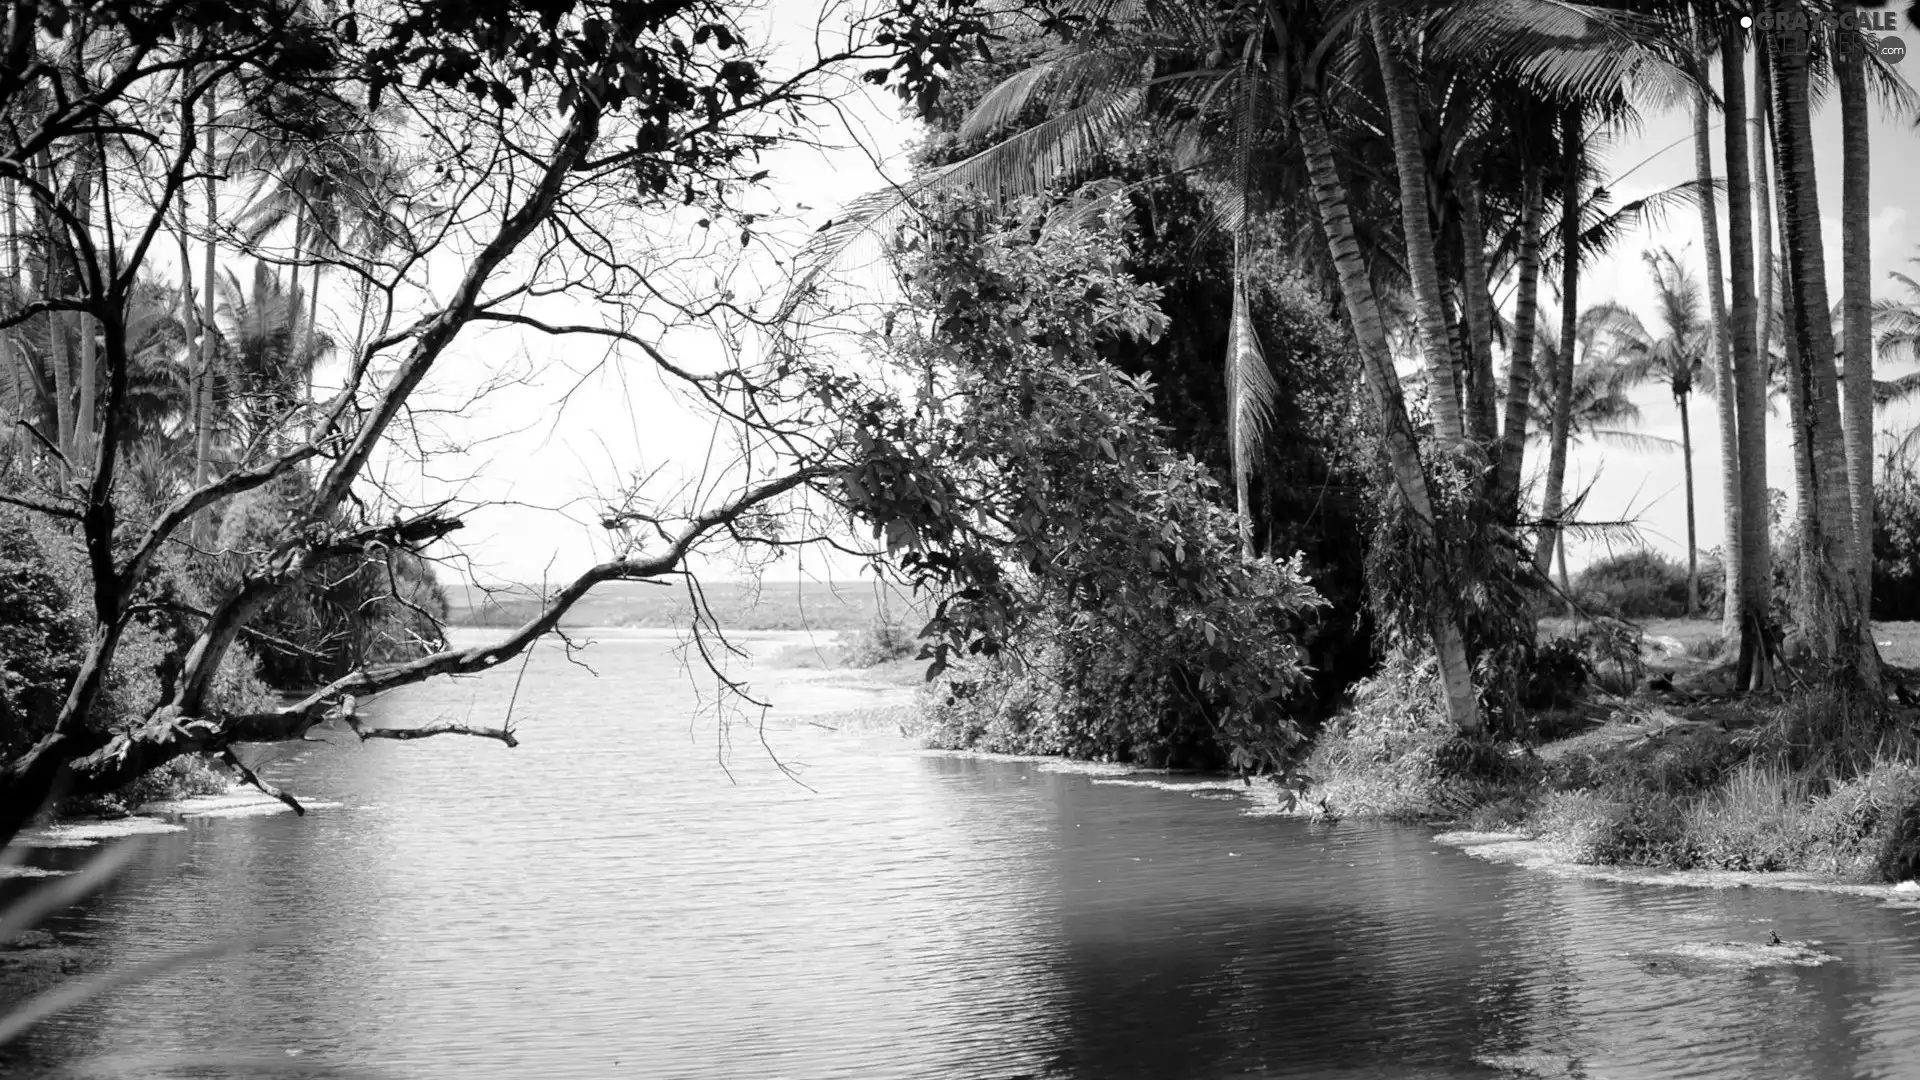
1894 391
1251 387
1023 164
1635 440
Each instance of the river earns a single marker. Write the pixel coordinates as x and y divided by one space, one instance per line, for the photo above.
644 889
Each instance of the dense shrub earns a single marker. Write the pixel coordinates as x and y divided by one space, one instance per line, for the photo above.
345 611
1556 674
1035 494
1393 754
44 583
41 641
1619 828
1640 584
1896 547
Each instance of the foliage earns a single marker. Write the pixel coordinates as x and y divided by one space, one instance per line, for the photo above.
1392 753
1637 584
41 643
344 611
1558 671
1483 567
1036 495
1896 546
882 640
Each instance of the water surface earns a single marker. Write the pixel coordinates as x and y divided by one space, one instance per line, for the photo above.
643 889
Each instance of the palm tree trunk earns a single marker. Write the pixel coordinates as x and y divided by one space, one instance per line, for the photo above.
1828 524
1483 414
1526 309
1693 539
87 395
1416 223
1856 257
204 407
1570 153
1727 407
1403 450
1749 372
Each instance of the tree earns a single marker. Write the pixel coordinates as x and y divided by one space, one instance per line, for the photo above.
587 125
1835 621
1679 359
1222 87
1856 258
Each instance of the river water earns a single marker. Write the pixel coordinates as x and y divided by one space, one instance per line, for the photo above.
625 895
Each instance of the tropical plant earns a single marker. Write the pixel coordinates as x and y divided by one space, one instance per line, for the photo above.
1225 89
1678 358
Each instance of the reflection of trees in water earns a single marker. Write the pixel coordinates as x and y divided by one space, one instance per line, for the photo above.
1183 960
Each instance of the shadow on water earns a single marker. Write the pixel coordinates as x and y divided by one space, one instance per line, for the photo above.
607 901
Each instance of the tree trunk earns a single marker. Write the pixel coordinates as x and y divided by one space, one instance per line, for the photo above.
1725 399
1827 524
1526 308
86 398
1749 370
59 367
1397 436
1693 539
203 377
1856 258
1416 223
1483 414
1570 155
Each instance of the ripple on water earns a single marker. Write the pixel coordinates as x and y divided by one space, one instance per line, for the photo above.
607 900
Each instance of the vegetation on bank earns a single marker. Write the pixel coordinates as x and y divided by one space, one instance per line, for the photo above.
1676 773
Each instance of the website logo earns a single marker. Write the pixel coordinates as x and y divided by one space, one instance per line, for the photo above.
1853 34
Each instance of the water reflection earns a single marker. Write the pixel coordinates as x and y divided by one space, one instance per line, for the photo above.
607 900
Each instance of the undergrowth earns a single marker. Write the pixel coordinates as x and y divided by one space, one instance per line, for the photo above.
1815 782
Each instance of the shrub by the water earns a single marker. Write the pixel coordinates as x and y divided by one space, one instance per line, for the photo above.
883 640
1899 856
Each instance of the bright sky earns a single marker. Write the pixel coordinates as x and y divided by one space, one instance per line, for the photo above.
579 427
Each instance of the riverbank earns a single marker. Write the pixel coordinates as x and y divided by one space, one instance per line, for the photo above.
1676 774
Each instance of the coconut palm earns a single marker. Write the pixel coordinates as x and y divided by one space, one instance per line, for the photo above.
1231 92
267 353
1837 621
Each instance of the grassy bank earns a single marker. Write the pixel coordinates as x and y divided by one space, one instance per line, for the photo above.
1669 771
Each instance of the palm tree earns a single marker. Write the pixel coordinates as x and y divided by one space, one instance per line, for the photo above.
1750 578
1828 538
1225 87
1600 409
1703 43
1678 358
1856 258
267 353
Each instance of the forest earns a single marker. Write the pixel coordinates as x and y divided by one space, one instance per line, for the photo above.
1211 383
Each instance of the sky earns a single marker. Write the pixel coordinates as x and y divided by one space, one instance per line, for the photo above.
545 452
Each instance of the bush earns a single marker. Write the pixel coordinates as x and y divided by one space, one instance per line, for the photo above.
997 710
1393 754
1613 829
1896 547
1045 507
41 641
1757 819
1556 674
1642 584
883 640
